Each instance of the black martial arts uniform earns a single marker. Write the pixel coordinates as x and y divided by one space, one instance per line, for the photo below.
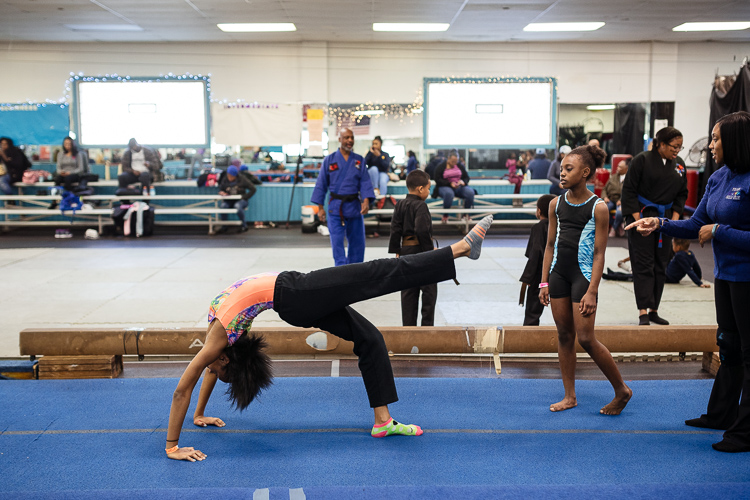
532 273
411 233
656 183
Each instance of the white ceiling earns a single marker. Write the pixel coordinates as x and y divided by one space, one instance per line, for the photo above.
351 20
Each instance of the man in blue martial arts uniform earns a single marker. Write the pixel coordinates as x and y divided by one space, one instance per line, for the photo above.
344 173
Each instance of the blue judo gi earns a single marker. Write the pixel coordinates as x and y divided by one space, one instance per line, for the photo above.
348 180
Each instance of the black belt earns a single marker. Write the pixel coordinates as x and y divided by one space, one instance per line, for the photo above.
344 198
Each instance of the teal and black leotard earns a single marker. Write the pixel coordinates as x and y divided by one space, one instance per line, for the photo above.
573 256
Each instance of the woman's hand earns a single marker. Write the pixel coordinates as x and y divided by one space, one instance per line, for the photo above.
706 234
645 226
190 454
544 295
587 306
705 285
202 421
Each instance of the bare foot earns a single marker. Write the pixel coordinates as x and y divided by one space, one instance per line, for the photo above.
565 404
618 404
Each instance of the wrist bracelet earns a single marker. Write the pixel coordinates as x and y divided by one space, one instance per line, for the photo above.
172 449
543 285
713 230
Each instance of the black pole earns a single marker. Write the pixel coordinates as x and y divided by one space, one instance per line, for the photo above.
294 185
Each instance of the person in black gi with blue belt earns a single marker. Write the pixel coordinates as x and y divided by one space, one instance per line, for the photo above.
656 186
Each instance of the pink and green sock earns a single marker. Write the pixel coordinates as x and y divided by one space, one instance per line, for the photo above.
392 427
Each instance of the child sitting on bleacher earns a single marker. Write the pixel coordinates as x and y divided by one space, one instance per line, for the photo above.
684 262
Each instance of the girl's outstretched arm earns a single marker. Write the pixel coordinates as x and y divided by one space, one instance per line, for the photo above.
587 305
207 387
209 353
551 237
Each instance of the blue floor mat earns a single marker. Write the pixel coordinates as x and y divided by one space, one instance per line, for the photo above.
483 438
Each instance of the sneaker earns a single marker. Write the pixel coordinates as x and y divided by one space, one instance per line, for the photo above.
612 233
621 231
145 192
444 220
152 192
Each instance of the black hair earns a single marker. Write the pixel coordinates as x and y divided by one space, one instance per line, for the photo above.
411 153
543 204
73 147
8 140
591 156
680 243
248 371
665 136
734 129
378 138
452 152
417 178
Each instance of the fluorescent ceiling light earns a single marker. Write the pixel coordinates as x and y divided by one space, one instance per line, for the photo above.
410 26
103 27
712 26
256 27
369 112
600 107
563 26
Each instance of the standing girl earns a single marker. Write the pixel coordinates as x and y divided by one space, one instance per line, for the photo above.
573 265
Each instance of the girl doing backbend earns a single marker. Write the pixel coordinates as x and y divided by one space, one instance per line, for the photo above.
573 265
319 299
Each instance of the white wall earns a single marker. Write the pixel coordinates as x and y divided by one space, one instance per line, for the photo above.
390 73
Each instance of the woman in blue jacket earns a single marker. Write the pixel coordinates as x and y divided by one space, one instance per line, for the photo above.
723 218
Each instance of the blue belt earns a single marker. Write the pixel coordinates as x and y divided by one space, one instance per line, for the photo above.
662 209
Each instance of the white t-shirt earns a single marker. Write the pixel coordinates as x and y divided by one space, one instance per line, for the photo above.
138 161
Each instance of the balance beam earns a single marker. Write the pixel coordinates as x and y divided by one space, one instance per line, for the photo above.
400 340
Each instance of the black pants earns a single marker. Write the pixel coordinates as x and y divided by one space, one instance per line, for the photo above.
726 409
410 298
534 307
321 299
649 264
125 178
67 181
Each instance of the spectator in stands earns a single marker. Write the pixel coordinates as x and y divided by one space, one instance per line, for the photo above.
611 195
512 175
553 174
433 165
71 164
684 263
656 185
14 163
451 180
539 166
234 184
378 165
412 163
343 173
139 163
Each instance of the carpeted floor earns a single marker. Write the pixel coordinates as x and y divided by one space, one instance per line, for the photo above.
308 438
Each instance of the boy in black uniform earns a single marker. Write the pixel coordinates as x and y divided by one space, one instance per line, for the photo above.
411 232
532 273
684 262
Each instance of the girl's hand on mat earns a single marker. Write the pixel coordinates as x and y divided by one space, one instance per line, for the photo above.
587 306
190 454
206 421
645 226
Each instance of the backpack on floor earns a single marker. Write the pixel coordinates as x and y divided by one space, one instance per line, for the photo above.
385 202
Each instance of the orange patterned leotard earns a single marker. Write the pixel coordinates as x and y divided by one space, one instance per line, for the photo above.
237 306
